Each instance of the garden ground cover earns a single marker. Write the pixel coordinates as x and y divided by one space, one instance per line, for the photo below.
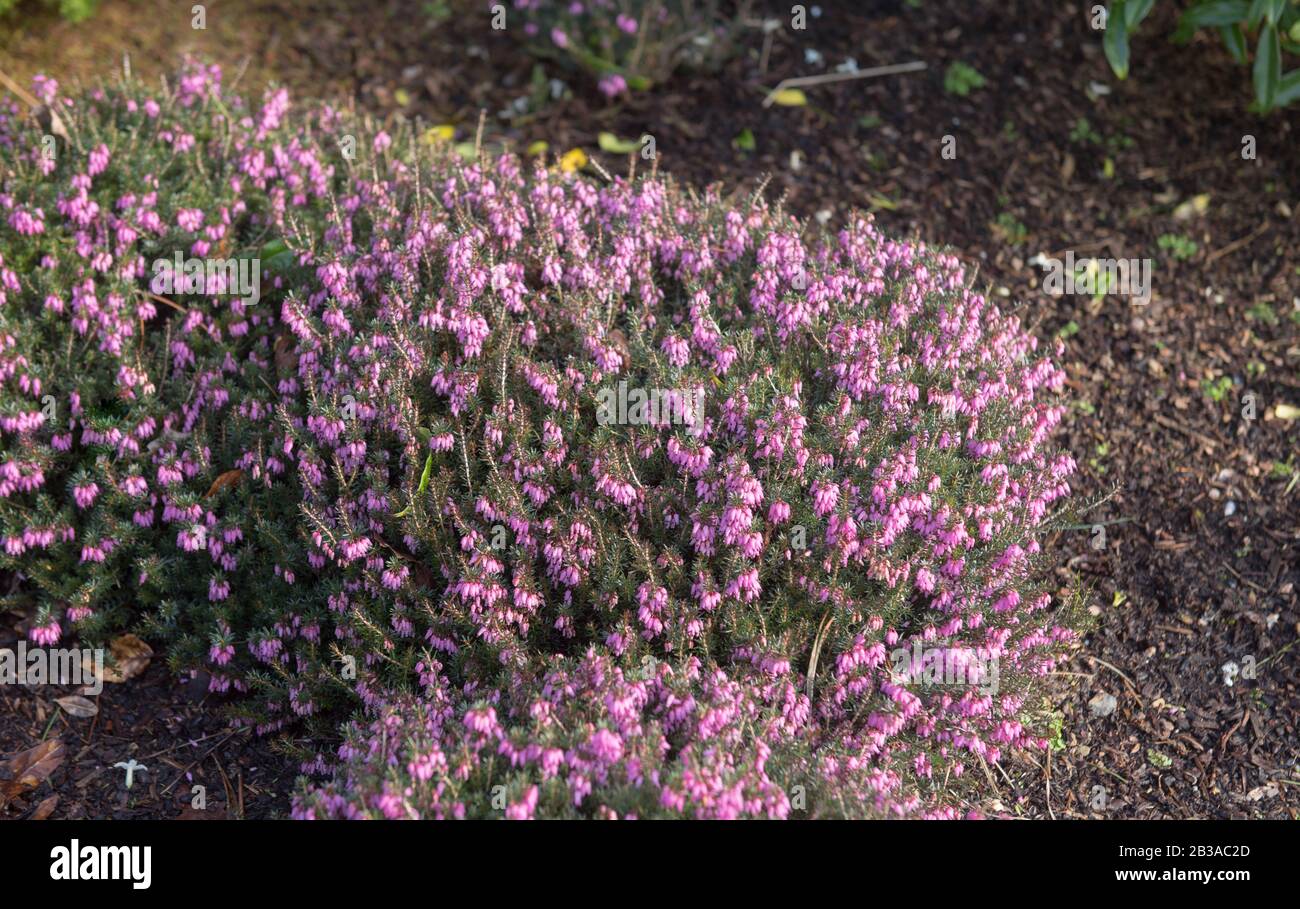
1200 566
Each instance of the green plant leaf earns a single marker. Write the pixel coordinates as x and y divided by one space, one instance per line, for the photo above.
1288 89
1234 39
1275 10
1257 10
1268 67
1115 43
1217 13
615 146
1135 11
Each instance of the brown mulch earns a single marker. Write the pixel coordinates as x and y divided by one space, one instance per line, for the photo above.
179 736
1200 506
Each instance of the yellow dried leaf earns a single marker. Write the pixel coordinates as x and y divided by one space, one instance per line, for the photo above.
790 97
573 159
443 132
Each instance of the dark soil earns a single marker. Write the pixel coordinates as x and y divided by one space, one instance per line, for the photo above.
1200 506
181 737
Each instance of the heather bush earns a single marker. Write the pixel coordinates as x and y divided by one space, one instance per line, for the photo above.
630 43
592 499
120 406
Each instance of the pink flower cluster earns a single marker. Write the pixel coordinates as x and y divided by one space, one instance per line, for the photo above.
546 611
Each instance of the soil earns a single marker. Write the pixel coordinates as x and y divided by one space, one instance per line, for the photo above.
1185 464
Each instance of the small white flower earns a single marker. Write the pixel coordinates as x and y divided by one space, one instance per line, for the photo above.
1230 672
131 767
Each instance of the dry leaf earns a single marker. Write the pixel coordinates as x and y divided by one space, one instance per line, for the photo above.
131 657
286 356
27 769
45 808
1193 207
573 159
1287 411
78 706
443 132
790 97
1266 791
229 478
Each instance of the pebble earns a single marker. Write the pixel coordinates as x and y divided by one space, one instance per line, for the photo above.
1102 704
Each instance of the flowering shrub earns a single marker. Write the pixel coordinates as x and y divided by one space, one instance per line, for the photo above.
597 500
631 43
119 406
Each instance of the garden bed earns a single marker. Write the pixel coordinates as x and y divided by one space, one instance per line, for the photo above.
1199 506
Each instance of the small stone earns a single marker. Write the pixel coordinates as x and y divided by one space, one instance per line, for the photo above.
1102 705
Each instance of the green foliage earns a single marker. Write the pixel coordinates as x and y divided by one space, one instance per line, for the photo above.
72 10
1182 247
1270 27
962 79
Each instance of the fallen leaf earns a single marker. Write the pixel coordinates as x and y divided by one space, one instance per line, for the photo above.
1267 791
28 769
131 657
1067 167
1193 207
444 132
616 146
229 478
790 97
286 356
573 159
77 706
1287 411
45 808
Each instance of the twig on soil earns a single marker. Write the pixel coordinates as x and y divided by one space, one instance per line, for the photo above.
890 70
1235 244
225 784
194 764
1190 433
1233 572
989 773
1097 524
1126 679
1047 779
